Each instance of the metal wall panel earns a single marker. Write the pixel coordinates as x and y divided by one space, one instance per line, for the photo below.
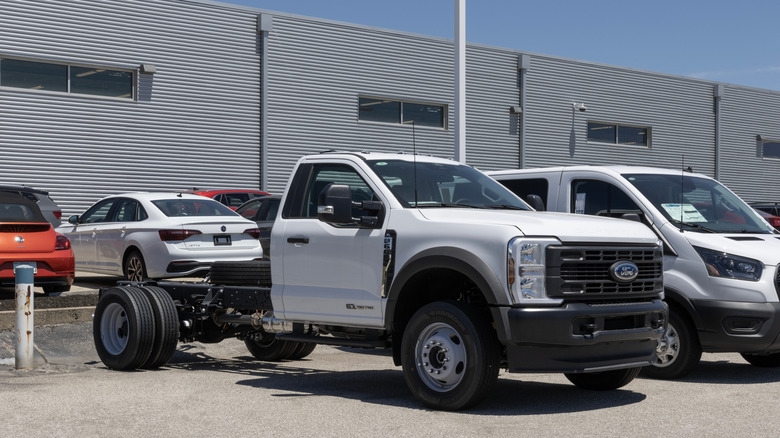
679 112
748 112
194 124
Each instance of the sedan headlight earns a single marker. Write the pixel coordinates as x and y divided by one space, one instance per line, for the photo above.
721 264
526 269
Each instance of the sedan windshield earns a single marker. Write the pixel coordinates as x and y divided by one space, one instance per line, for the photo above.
192 207
425 184
698 204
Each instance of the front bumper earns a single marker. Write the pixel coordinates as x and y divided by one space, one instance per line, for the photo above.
741 327
581 337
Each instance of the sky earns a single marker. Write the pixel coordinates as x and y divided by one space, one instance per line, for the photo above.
734 41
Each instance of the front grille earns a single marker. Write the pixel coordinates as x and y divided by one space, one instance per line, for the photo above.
584 272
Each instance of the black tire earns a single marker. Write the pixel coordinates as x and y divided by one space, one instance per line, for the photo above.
763 360
123 328
450 356
302 350
166 324
604 380
247 273
269 348
55 288
678 351
134 267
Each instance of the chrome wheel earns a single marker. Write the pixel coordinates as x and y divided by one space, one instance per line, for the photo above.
114 329
440 355
668 348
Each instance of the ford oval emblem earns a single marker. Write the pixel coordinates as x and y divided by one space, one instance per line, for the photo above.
224 228
624 271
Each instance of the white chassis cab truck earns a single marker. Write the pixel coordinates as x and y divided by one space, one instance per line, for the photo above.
428 257
720 257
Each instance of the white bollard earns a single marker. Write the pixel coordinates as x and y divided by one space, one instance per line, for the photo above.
25 346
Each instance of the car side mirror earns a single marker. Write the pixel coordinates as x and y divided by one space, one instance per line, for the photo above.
631 217
334 204
73 220
536 202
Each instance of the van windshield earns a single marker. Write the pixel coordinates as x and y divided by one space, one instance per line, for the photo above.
698 204
430 185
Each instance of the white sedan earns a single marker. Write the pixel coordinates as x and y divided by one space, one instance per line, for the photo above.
159 235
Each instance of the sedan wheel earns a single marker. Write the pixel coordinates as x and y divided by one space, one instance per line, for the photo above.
135 270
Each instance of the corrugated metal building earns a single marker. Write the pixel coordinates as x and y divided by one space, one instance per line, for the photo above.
171 94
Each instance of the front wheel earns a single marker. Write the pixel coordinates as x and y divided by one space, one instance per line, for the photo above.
678 350
604 380
450 356
763 360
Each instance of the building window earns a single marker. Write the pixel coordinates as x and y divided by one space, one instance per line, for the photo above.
771 149
618 134
66 78
401 112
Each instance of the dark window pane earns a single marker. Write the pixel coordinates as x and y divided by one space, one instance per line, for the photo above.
101 82
771 149
601 132
632 135
378 110
33 75
424 115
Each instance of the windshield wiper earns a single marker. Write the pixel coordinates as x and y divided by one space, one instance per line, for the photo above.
449 205
693 225
505 207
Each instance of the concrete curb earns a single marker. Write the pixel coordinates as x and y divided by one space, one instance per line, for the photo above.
42 317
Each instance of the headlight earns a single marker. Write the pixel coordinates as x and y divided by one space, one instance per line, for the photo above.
721 264
526 269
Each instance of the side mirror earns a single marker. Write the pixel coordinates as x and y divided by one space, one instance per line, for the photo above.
73 220
334 204
536 202
631 217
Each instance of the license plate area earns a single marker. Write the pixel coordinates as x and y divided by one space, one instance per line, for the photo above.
222 240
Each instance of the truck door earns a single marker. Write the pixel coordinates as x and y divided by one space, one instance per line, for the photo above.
332 273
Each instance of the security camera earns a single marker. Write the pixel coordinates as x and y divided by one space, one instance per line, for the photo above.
579 106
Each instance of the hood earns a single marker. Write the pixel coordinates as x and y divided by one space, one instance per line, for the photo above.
566 227
762 247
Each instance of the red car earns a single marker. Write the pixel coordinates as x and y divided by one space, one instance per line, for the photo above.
773 220
26 236
231 198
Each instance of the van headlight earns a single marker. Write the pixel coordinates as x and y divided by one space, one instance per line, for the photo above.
725 265
526 270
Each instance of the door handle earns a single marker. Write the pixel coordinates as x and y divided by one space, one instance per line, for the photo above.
298 239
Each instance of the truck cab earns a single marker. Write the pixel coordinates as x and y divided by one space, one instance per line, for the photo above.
720 257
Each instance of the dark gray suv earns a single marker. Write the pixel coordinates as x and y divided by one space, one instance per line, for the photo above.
51 211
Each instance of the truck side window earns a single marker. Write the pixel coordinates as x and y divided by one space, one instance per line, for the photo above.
600 198
324 174
524 187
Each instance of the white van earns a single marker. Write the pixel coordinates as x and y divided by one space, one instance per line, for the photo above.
720 257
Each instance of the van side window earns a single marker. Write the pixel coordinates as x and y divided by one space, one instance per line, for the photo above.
524 187
600 198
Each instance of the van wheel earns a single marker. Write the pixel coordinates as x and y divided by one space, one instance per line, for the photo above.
763 360
450 356
604 380
123 328
678 350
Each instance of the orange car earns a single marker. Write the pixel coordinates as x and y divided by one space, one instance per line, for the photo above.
26 236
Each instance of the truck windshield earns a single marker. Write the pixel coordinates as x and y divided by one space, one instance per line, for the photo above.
425 184
698 204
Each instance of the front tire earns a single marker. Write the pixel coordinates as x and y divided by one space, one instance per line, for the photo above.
678 350
763 360
123 328
604 380
450 356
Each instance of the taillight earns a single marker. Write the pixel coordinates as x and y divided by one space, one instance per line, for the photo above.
58 214
254 232
174 235
62 242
